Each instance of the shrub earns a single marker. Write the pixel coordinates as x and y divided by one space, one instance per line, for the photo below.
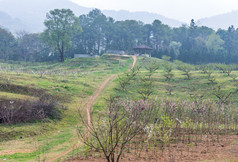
125 79
226 68
12 88
210 77
204 68
119 123
51 108
152 66
168 68
146 87
222 95
139 125
18 111
234 77
186 68
221 67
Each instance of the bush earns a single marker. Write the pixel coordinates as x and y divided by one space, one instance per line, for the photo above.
151 65
168 68
12 88
52 109
186 68
115 127
226 68
18 111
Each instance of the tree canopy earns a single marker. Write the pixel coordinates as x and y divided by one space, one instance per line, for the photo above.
97 34
61 25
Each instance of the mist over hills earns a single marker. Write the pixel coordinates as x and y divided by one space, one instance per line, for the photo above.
8 22
33 13
222 21
29 15
145 17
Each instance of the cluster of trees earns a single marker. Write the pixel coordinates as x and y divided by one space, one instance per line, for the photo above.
95 33
61 27
23 47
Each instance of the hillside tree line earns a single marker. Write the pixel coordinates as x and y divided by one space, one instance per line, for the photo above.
95 33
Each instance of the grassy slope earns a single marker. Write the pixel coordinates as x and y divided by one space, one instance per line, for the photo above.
182 88
57 142
74 81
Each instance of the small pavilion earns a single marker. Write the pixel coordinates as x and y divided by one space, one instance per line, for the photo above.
143 49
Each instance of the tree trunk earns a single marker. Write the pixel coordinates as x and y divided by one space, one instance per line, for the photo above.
99 44
108 159
61 56
61 51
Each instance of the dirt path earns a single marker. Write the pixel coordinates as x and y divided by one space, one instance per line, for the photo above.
88 112
97 93
134 61
89 106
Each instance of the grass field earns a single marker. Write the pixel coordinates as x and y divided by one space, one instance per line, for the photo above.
71 82
74 81
179 89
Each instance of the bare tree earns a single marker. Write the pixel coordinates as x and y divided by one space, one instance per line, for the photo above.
112 129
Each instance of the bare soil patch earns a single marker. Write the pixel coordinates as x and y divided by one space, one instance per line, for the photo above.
225 150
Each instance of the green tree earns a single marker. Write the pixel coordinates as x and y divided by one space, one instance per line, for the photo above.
230 38
175 47
214 42
94 25
7 42
128 33
61 26
160 35
31 48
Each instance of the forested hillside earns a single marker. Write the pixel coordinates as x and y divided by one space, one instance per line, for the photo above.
191 44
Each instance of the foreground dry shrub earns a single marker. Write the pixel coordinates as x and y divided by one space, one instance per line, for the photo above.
19 111
126 126
112 129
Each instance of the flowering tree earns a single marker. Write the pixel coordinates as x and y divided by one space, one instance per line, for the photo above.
115 127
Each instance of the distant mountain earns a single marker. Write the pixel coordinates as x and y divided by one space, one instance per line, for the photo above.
222 21
145 17
10 23
32 13
29 15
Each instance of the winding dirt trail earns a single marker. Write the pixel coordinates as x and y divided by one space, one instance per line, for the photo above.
89 107
97 93
88 112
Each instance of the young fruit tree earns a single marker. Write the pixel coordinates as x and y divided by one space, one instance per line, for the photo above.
187 70
120 122
61 26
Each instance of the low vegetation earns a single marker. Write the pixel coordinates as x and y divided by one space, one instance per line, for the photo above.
17 111
142 112
154 113
148 109
42 101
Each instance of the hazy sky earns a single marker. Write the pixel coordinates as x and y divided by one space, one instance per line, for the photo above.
183 10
